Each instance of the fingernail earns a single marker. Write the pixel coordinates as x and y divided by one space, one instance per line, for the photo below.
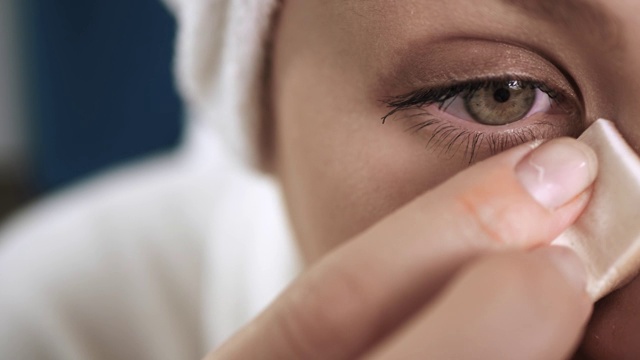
557 171
570 266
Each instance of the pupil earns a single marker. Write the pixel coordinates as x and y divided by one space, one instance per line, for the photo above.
502 95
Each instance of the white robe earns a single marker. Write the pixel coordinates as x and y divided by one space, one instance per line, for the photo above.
162 259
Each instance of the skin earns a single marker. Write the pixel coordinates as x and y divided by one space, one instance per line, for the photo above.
361 192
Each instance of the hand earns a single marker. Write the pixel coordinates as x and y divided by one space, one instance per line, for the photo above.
450 275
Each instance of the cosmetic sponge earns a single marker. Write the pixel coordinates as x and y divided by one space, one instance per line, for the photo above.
607 234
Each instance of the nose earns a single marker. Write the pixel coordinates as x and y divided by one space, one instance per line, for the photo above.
626 101
615 325
624 68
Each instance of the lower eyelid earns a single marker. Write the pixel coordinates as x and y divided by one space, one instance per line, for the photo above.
456 138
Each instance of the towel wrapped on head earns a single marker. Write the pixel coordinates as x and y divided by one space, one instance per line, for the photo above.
220 67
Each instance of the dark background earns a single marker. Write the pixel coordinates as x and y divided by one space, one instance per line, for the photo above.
101 71
99 89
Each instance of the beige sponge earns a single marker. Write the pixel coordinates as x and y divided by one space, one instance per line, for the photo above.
607 235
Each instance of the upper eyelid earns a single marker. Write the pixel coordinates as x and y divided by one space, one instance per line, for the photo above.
459 59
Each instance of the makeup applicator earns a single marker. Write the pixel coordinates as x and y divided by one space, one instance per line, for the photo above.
607 235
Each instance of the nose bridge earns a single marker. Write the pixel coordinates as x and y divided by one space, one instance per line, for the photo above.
627 99
625 63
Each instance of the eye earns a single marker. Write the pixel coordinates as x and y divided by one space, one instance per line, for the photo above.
499 103
484 117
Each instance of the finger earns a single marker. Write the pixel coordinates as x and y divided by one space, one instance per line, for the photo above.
362 290
506 306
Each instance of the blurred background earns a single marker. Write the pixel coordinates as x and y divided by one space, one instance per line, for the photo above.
84 85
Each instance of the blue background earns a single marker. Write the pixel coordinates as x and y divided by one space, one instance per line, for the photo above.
101 85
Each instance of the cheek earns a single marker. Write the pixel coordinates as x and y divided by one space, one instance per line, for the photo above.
341 168
613 330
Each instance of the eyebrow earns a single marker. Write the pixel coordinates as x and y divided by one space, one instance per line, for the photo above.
584 17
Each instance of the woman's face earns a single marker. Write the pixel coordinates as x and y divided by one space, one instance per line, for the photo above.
457 80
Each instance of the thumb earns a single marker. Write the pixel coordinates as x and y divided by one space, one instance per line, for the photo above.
494 198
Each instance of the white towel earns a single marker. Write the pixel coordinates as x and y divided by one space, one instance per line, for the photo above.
220 66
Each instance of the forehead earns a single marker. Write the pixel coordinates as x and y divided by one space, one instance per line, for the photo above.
592 25
580 17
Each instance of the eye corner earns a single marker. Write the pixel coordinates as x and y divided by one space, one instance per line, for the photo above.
392 105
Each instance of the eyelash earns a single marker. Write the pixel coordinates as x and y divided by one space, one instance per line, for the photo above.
449 135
